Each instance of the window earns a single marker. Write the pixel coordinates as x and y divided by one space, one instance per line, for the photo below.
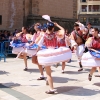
94 8
94 21
0 19
84 8
83 20
83 0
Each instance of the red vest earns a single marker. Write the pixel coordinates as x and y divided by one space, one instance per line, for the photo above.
23 38
96 43
61 42
75 35
50 40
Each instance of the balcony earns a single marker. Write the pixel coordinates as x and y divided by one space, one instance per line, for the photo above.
90 9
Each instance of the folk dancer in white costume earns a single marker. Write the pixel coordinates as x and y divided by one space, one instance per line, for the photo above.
52 54
37 28
92 57
18 47
63 42
78 43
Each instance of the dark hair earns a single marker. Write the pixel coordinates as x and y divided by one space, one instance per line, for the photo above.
44 27
26 28
89 23
75 24
50 25
38 26
96 29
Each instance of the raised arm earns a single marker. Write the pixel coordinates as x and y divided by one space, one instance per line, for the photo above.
19 34
60 32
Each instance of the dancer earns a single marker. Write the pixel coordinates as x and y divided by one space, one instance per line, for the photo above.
63 42
78 43
37 28
49 39
18 44
92 57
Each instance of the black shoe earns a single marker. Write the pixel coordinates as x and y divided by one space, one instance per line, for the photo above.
50 92
41 78
25 69
62 72
81 69
89 77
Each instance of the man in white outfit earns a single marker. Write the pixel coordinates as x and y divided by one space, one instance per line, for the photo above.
78 43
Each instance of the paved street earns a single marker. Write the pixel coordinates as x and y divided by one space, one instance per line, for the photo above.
16 84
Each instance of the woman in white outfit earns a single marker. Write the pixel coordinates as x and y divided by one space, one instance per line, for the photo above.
92 57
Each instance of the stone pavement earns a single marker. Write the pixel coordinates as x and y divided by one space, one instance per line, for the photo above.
16 84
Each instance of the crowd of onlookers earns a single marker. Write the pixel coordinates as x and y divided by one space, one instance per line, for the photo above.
6 35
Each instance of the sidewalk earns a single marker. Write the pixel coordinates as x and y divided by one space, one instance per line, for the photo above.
16 84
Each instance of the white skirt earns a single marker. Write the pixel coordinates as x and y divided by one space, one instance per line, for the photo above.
90 61
16 50
48 57
31 52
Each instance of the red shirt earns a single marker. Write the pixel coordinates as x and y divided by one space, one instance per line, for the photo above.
96 43
23 38
50 40
61 42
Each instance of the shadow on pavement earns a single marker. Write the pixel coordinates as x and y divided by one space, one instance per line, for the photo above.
74 72
11 84
62 80
33 70
78 91
4 72
65 88
71 66
97 84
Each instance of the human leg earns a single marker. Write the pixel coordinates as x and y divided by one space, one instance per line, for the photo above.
35 61
81 67
24 57
63 67
91 73
49 79
79 53
98 68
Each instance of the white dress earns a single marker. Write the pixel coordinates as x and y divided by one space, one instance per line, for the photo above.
52 55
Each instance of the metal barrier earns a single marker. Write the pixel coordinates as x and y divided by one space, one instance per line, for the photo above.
5 49
2 53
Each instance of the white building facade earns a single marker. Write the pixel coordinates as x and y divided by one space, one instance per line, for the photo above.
89 11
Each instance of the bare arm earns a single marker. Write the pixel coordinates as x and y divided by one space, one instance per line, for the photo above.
19 34
67 40
61 31
39 37
89 42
